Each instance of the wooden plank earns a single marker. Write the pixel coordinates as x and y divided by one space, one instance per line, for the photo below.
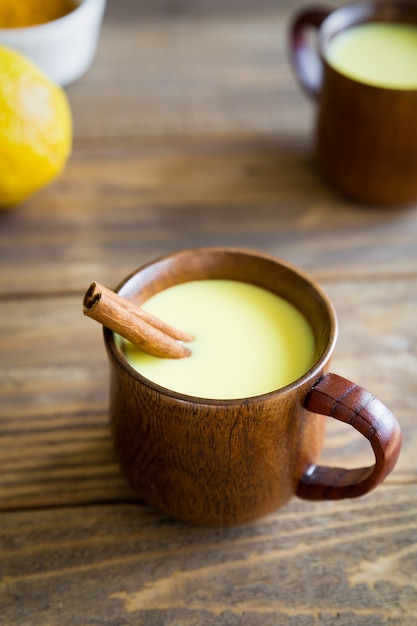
170 70
112 211
349 562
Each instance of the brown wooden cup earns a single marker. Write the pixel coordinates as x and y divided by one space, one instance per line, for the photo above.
366 137
231 461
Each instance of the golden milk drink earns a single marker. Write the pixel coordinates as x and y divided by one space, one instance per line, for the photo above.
247 341
379 54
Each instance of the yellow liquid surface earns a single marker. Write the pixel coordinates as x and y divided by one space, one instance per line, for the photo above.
247 341
379 54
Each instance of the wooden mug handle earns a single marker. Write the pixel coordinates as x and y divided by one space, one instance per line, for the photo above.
337 397
308 66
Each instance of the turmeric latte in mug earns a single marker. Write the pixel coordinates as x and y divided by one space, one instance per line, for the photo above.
247 340
378 53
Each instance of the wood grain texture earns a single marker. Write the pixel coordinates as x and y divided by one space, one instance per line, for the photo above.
187 69
111 211
190 130
346 563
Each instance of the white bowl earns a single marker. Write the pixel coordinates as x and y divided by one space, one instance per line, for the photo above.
64 49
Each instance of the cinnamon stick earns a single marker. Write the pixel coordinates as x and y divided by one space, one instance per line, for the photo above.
147 332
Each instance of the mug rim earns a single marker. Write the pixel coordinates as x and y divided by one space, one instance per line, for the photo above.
388 11
313 374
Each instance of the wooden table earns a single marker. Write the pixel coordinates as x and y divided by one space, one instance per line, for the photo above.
191 130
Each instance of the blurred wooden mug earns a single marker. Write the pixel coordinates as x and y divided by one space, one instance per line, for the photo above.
366 136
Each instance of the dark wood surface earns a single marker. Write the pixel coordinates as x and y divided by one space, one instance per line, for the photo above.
190 130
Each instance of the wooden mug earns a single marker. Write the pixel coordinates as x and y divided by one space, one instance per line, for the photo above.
222 462
366 136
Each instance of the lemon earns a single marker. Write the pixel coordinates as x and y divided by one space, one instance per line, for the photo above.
35 128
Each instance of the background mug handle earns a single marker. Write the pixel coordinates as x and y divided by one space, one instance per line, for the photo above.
306 62
337 397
